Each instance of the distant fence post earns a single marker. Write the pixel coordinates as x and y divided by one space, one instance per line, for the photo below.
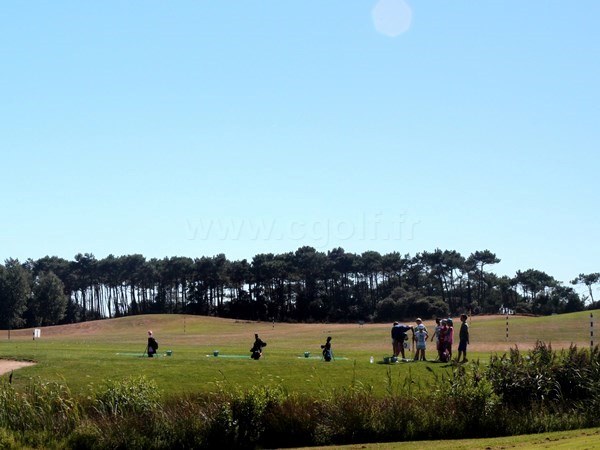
591 330
507 328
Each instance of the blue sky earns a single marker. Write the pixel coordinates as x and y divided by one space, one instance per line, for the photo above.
194 128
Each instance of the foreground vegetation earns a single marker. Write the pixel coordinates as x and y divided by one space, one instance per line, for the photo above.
516 393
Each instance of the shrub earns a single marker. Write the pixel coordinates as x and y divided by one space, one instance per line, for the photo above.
10 405
292 422
84 437
135 394
7 440
43 406
545 376
469 404
237 418
521 380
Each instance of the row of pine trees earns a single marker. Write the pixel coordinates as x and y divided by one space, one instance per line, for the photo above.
305 285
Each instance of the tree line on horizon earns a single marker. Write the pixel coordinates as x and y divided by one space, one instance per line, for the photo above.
305 285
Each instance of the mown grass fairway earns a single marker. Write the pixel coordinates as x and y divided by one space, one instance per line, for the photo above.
587 439
84 355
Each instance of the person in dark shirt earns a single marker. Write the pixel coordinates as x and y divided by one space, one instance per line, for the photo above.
152 345
327 352
257 347
463 339
398 338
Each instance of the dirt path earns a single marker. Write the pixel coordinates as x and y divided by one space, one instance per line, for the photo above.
7 365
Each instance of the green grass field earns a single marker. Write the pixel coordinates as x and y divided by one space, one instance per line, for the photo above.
587 439
84 355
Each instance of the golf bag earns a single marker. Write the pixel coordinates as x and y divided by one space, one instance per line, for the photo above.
257 349
152 347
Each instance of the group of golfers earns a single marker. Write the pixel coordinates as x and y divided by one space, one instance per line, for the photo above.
443 335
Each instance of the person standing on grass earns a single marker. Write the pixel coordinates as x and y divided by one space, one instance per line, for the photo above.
463 339
327 352
152 345
421 340
257 347
395 336
443 346
449 337
436 335
398 338
419 323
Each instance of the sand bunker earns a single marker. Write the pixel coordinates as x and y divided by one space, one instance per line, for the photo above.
7 365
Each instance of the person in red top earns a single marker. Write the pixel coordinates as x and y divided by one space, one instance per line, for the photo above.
443 339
